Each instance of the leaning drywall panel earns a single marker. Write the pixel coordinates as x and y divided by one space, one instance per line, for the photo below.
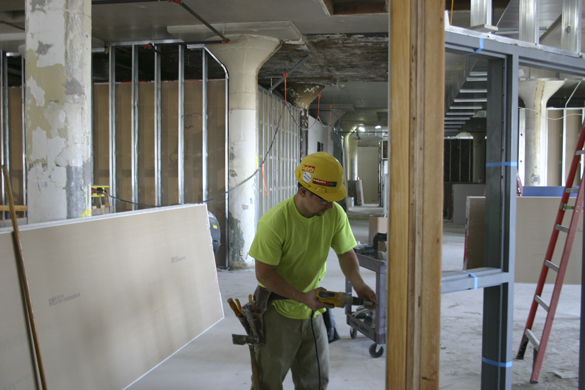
16 366
460 194
535 217
115 295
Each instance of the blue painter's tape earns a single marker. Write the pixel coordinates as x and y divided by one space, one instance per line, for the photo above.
475 279
480 48
502 164
497 364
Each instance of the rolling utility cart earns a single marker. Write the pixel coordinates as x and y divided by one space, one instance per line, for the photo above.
371 323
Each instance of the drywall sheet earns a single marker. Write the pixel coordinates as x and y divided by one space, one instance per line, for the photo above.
113 296
460 194
474 233
16 366
535 217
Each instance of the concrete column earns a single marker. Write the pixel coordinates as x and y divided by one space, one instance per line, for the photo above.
301 96
243 57
478 157
58 108
535 94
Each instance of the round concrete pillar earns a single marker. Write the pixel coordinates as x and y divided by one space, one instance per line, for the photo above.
58 108
535 94
243 57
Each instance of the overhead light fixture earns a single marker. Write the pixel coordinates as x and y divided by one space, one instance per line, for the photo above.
378 127
361 128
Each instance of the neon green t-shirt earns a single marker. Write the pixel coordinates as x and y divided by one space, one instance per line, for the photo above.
298 247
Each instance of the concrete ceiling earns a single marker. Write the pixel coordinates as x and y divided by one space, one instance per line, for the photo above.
346 39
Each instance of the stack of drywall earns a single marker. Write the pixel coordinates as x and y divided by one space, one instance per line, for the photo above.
535 217
113 296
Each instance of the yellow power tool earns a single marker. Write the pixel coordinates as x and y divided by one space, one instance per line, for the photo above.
340 299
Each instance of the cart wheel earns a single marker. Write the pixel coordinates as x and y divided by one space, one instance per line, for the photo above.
374 353
353 333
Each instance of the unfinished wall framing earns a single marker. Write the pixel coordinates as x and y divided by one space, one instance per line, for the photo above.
279 148
152 144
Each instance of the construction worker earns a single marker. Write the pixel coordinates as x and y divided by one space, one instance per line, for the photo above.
290 248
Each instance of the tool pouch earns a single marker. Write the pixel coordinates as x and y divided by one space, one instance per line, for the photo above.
261 297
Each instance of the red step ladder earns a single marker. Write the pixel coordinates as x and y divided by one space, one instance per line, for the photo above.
561 268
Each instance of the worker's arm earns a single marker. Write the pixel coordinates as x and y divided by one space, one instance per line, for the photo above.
350 267
267 275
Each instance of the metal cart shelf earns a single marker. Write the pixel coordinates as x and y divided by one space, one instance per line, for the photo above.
377 330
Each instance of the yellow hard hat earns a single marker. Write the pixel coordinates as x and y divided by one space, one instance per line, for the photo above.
322 174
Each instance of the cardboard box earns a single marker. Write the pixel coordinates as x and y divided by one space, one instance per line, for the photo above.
378 224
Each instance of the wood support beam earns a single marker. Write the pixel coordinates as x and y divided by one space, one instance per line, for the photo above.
417 50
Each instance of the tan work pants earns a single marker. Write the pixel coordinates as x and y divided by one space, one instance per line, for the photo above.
289 344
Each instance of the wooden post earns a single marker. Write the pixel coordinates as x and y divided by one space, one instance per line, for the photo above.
417 47
24 280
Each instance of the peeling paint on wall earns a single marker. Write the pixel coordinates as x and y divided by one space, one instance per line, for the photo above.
237 243
58 108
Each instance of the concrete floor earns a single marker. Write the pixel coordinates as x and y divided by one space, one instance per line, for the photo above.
212 362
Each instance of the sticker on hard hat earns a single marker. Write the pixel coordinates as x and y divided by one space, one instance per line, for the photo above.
308 168
307 177
325 183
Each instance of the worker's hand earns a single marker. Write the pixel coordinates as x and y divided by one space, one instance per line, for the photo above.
365 292
310 299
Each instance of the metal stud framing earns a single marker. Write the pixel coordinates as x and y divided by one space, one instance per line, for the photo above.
5 147
157 129
23 96
571 25
204 129
504 58
181 126
282 154
112 108
134 137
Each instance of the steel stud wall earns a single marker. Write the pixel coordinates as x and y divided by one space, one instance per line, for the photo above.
278 143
